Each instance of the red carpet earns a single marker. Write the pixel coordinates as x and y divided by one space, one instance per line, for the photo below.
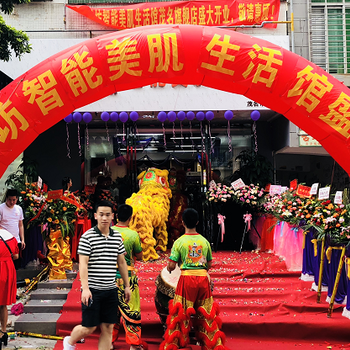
263 306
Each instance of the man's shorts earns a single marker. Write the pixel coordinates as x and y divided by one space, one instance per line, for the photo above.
104 308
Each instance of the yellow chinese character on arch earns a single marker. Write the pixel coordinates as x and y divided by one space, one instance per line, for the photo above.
267 69
222 55
41 90
339 115
170 53
311 96
78 80
120 54
7 116
242 12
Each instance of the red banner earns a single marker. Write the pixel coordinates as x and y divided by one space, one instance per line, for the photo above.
207 13
293 185
56 194
304 191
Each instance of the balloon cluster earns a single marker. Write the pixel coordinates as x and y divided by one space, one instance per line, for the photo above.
105 116
162 116
181 116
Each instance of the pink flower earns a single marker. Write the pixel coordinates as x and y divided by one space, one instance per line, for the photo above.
17 309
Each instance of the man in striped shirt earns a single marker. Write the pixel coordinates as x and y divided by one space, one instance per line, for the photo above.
100 250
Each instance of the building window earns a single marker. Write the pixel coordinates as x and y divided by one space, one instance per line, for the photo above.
330 35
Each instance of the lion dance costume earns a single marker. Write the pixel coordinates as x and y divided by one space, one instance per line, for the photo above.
150 211
193 297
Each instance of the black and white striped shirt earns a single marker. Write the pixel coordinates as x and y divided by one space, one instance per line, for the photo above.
102 252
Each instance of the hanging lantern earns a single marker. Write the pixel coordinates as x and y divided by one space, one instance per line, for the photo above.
68 118
123 117
209 115
181 116
171 116
87 117
228 115
190 115
255 115
77 117
105 116
162 116
200 116
134 116
114 116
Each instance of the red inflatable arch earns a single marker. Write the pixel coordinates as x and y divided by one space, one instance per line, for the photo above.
218 58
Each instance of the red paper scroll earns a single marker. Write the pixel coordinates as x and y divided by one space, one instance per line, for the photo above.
182 54
208 13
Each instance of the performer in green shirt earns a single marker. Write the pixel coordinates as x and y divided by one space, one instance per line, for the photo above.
192 252
130 312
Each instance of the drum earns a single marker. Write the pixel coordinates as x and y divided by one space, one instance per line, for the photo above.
166 285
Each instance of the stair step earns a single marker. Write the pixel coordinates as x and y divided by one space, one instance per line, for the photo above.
56 284
49 294
44 306
41 323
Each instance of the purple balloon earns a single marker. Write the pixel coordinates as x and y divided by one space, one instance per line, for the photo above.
105 116
114 116
134 116
181 115
209 115
190 115
200 116
68 118
255 115
171 116
228 115
77 117
162 116
87 117
123 117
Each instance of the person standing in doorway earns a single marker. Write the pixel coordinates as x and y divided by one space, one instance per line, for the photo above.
130 312
11 220
100 250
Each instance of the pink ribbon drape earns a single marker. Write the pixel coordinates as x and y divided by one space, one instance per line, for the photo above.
221 222
247 219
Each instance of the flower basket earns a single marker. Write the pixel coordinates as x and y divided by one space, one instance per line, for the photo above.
57 255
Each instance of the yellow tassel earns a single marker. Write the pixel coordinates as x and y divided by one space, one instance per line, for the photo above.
314 241
347 262
304 237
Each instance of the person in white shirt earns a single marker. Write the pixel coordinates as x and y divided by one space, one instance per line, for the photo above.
11 220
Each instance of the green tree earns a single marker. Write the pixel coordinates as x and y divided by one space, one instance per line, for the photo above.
11 39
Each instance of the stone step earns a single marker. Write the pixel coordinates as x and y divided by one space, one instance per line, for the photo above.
49 294
56 284
41 323
44 306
